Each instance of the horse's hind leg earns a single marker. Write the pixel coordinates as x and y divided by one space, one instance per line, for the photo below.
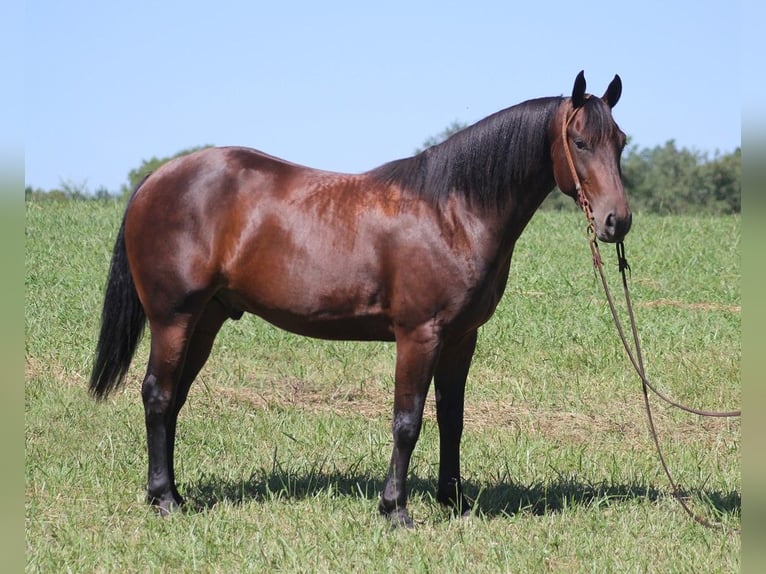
168 348
179 348
197 354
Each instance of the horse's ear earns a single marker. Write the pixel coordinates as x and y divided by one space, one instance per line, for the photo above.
578 92
612 94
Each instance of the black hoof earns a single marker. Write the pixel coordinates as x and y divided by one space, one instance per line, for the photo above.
166 505
458 505
395 513
399 518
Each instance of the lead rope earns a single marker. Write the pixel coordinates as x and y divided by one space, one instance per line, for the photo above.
637 359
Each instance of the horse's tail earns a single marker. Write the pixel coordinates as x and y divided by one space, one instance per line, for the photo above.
122 323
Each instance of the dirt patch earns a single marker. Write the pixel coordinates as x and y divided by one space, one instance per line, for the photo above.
696 306
35 368
368 401
620 422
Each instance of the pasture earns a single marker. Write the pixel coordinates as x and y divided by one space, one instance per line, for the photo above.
284 442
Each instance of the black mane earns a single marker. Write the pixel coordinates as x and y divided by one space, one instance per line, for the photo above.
484 161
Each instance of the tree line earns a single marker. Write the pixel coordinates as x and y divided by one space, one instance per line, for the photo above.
665 180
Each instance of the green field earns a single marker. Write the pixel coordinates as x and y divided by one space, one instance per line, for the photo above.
284 442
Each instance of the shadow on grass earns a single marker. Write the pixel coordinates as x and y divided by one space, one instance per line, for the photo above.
492 500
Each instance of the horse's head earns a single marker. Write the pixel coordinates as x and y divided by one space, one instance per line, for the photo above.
586 144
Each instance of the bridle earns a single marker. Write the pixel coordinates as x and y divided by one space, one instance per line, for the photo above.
582 201
637 358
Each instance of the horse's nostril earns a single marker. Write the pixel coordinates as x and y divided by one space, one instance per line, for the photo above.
617 227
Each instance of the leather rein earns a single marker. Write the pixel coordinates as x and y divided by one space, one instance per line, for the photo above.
636 358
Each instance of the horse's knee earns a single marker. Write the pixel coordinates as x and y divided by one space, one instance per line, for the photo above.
406 429
156 398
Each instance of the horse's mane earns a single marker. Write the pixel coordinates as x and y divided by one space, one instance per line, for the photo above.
484 161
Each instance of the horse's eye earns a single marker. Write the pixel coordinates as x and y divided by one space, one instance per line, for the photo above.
580 144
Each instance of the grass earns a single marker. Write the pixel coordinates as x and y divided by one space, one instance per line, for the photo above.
284 442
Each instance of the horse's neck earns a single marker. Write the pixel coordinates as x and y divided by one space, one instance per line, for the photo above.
524 202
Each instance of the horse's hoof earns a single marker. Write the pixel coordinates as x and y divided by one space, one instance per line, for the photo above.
167 505
458 508
399 518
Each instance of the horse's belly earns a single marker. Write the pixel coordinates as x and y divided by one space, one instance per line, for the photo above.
349 329
321 315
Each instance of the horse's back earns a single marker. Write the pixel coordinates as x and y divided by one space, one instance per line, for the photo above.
208 188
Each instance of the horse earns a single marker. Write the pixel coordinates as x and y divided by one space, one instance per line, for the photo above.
416 251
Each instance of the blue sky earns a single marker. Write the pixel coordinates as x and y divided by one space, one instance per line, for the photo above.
347 86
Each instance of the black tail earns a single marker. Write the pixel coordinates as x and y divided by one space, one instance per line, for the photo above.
122 324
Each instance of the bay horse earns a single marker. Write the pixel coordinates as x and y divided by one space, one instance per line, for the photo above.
416 251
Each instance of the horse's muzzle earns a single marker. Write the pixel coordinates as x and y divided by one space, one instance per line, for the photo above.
615 227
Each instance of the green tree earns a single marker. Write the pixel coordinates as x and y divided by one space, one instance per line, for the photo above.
450 130
722 178
148 166
668 180
75 190
67 189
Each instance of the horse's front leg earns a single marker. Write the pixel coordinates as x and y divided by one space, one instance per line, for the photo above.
416 353
449 380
